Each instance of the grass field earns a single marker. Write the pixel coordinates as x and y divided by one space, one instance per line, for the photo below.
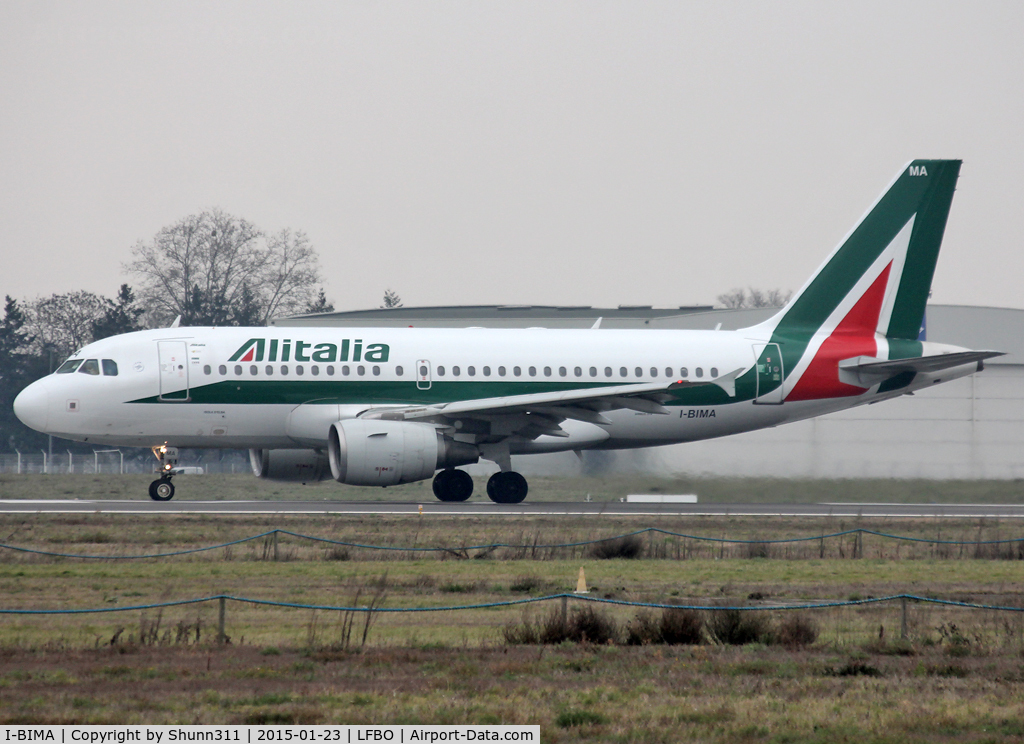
958 677
610 488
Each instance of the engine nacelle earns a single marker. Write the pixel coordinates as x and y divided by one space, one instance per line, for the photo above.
370 452
306 465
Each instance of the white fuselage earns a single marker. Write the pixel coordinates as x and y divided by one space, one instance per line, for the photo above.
180 386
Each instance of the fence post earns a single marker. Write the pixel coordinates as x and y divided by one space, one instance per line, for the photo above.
860 544
903 618
565 610
275 545
220 622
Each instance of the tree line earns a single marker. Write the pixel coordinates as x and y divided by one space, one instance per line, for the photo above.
208 269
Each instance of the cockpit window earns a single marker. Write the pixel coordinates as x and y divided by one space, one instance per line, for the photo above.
69 366
91 367
110 368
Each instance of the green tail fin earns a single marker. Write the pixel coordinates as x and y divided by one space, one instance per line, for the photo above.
903 230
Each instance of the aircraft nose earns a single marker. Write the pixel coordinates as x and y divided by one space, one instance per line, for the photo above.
32 406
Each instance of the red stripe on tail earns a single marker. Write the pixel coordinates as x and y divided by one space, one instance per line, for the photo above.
854 336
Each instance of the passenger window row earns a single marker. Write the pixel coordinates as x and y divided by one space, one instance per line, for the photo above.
670 372
360 370
299 370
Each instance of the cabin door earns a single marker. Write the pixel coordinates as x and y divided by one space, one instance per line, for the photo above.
173 370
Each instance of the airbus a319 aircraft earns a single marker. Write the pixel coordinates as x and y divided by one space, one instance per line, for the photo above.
382 406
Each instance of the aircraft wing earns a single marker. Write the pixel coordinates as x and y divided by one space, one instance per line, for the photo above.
868 371
542 412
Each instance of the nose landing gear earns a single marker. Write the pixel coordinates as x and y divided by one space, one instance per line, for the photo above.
162 489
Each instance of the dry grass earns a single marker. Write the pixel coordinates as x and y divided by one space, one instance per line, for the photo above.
645 694
831 675
527 538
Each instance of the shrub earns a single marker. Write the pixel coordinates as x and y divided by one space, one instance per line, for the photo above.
643 630
855 668
796 630
573 718
681 627
583 625
672 627
629 546
758 550
590 625
523 633
553 629
735 627
458 588
525 584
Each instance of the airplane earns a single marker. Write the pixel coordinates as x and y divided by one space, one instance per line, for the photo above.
384 406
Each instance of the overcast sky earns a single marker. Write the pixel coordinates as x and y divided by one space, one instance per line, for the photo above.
594 153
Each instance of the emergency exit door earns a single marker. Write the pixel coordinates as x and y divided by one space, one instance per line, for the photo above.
423 377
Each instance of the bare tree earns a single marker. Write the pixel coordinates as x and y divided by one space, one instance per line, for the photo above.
391 299
289 275
734 299
63 322
216 269
777 298
741 298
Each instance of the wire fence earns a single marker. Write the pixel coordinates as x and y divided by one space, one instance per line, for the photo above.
828 604
111 462
1015 544
374 609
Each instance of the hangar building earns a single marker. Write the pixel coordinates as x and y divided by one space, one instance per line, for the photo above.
969 428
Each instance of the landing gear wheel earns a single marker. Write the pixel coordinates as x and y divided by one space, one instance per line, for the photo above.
453 485
161 489
507 488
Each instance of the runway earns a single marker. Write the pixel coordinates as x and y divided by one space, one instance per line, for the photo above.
487 508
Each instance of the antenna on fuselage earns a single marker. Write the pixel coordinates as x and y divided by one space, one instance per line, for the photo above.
175 323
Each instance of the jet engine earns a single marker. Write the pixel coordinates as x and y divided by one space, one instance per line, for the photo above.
370 452
305 465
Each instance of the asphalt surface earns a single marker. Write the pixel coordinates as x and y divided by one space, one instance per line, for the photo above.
487 508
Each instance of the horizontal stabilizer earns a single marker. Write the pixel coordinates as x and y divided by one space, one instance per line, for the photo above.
868 371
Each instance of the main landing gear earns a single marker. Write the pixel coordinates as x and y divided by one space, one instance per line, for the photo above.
453 485
507 488
162 489
456 485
